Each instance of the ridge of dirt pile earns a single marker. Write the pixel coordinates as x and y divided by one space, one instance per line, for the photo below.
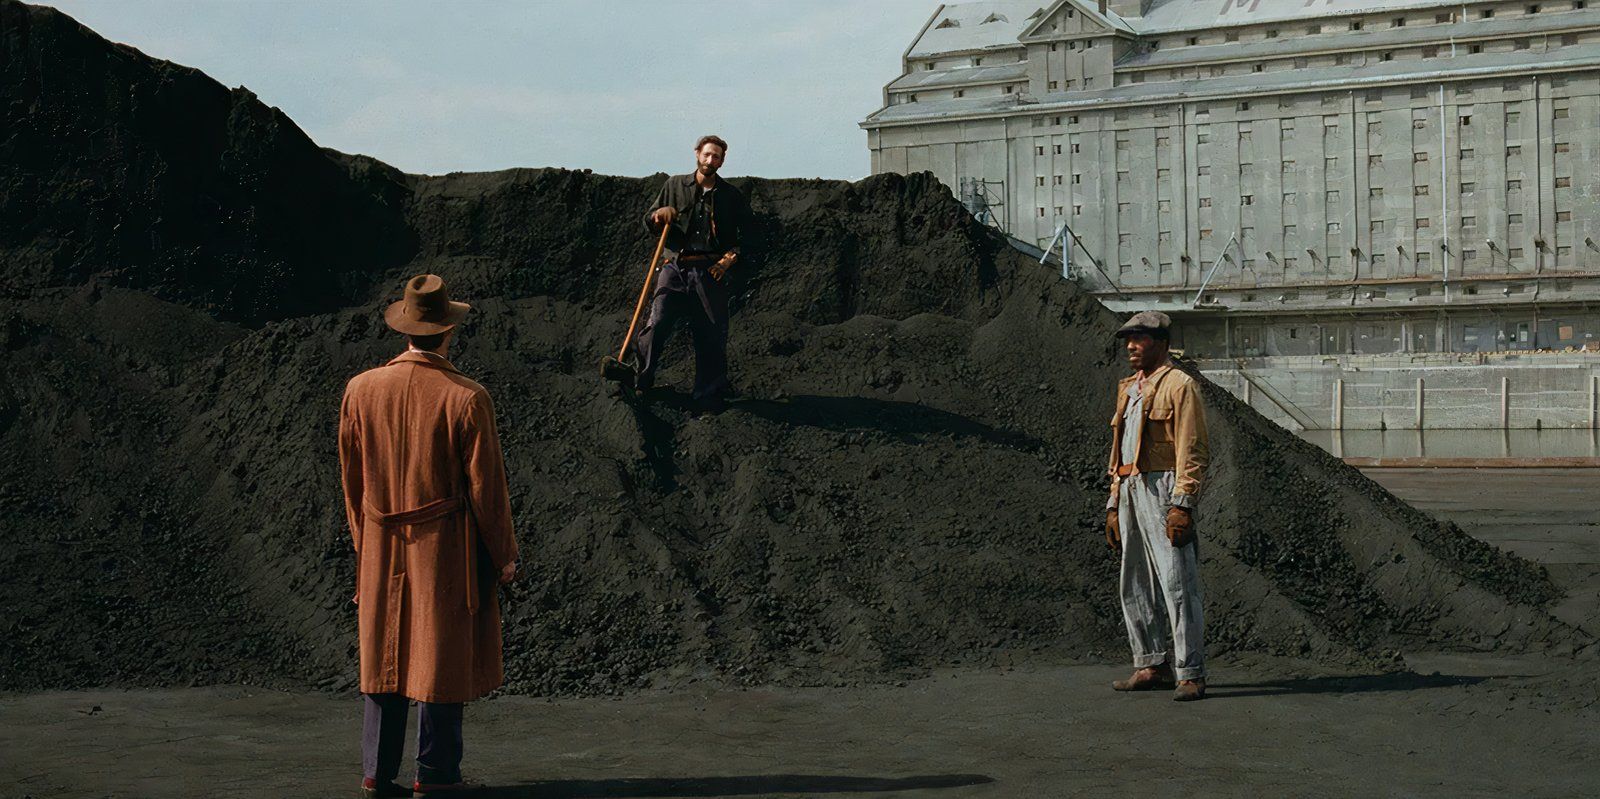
917 480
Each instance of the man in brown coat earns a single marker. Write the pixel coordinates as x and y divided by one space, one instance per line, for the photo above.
426 495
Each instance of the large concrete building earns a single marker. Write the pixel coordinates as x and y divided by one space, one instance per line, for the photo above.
1297 177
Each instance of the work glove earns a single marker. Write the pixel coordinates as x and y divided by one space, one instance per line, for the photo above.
720 268
663 215
1113 531
1180 526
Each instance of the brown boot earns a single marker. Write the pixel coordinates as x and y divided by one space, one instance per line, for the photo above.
1190 690
1149 678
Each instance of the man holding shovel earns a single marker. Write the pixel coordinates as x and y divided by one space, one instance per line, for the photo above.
702 217
1159 453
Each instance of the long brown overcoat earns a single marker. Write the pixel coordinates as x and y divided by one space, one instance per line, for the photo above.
425 490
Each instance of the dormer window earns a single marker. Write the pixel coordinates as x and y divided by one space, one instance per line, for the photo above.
948 23
994 18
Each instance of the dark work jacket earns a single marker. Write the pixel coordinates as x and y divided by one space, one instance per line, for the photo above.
728 208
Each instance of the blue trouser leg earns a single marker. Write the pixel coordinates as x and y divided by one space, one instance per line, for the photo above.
438 743
383 735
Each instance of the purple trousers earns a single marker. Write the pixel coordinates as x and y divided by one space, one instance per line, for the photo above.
383 739
685 292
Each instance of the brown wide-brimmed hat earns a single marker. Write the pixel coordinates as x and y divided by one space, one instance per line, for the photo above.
427 309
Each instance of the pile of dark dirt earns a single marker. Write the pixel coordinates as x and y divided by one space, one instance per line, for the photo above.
917 482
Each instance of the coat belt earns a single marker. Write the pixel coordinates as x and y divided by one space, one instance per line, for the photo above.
436 509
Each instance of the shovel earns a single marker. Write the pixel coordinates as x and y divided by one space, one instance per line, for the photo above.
614 368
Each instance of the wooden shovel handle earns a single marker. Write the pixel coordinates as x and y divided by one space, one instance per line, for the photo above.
644 292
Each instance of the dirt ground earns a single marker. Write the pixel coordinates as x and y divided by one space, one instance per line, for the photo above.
1459 725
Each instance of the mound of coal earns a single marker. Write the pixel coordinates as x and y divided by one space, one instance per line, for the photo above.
916 482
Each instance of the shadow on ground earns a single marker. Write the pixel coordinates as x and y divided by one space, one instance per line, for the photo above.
804 784
1375 683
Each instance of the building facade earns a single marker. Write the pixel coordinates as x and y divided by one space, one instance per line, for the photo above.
1296 177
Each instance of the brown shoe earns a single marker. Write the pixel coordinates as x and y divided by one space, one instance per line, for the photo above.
1190 690
1150 678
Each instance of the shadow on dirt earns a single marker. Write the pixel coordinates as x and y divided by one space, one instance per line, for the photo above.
805 784
1376 683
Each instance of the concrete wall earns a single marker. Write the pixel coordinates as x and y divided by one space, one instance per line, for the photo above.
1381 392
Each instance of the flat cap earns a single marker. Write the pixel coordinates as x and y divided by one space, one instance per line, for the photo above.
1153 322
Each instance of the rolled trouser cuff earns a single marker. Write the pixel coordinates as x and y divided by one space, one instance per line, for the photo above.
1190 673
1146 661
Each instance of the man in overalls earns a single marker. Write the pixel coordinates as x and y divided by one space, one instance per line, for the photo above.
1158 459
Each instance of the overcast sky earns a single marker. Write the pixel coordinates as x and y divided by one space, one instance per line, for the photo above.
618 86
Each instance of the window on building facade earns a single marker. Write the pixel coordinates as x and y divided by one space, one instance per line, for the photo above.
1569 39
1205 202
1334 227
1192 41
1513 185
1288 166
1205 233
1466 154
1163 206
1077 210
1258 67
1378 225
1374 160
1272 33
1039 150
1468 188
1513 150
1376 192
1387 56
1122 176
1041 212
1289 198
1122 208
1562 147
1513 219
1055 149
1203 169
1355 25
1430 52
1374 128
1519 44
1289 231
1515 254
1076 179
1230 36
1076 147
1054 85
1244 106
1248 199
961 93
1163 142
1424 259
1330 163
1485 13
1561 113
1469 221
1469 255
1440 19
1058 210
1039 181
1055 180
1333 197
1562 183
1475 48
1124 238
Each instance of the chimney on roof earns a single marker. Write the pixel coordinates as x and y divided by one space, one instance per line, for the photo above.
1102 7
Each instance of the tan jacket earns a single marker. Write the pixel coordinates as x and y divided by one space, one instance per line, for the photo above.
1174 432
427 501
